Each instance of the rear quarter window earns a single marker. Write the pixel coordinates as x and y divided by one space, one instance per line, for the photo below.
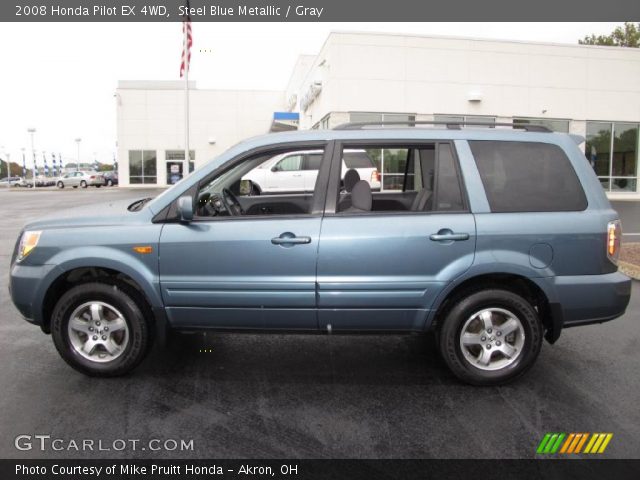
527 177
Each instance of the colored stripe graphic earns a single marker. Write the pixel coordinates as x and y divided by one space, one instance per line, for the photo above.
572 443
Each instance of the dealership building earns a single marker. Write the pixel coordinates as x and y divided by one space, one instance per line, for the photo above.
587 90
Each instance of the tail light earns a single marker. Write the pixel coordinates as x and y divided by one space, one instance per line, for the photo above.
92 177
614 235
375 177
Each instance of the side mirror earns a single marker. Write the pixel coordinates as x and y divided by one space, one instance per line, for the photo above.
275 168
185 208
246 187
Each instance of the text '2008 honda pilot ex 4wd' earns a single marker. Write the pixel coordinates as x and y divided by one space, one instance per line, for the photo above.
494 238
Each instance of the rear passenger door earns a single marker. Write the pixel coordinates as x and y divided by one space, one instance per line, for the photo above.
382 269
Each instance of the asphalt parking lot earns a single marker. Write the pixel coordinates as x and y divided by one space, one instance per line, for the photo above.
307 396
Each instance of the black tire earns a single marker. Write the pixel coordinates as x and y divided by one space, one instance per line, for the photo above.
98 186
83 184
120 296
60 185
468 305
109 183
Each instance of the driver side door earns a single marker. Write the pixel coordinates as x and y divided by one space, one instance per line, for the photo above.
244 271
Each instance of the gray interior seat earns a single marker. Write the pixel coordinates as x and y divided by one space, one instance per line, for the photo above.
361 199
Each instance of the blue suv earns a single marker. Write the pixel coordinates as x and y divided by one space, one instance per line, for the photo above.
493 238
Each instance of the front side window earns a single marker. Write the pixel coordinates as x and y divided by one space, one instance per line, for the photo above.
527 177
264 184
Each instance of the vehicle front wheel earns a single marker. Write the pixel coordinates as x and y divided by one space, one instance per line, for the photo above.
83 184
98 186
490 337
109 183
100 330
60 185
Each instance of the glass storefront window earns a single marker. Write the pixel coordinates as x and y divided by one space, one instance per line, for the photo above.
598 147
482 119
553 124
612 151
625 150
363 117
142 166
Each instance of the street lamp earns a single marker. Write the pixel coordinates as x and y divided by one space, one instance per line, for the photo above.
6 155
78 140
32 132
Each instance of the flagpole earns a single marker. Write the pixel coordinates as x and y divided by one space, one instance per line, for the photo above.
185 165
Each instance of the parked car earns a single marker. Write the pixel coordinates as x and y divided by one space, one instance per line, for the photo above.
11 181
82 179
497 239
26 182
44 181
295 172
110 178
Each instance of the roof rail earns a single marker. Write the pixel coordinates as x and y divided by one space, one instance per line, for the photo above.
450 125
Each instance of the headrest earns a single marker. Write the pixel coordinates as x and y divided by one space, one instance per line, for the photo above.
361 196
350 179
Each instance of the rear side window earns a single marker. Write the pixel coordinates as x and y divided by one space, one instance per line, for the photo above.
527 177
357 160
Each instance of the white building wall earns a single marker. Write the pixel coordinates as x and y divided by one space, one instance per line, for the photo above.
151 117
414 74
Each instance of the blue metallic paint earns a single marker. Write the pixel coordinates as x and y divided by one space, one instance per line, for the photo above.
358 272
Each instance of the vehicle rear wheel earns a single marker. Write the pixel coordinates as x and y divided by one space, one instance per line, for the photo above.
60 185
83 184
490 337
100 330
98 186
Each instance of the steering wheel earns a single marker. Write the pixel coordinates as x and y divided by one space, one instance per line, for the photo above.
231 202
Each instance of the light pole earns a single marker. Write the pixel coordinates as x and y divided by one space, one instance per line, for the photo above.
6 160
32 132
24 166
78 140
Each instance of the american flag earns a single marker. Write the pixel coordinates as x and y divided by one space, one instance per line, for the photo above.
186 44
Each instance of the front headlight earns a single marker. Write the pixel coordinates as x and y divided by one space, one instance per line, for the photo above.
28 242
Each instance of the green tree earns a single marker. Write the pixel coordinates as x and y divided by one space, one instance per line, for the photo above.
626 36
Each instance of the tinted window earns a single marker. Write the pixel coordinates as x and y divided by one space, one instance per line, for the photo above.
357 160
313 161
527 177
449 195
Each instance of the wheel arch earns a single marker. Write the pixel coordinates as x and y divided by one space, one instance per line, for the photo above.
534 290
66 278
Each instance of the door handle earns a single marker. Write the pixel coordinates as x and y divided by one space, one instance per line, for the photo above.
288 238
447 235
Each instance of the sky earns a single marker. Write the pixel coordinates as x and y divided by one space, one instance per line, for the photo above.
60 78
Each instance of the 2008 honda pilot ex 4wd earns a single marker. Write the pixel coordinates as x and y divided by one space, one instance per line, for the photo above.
494 238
